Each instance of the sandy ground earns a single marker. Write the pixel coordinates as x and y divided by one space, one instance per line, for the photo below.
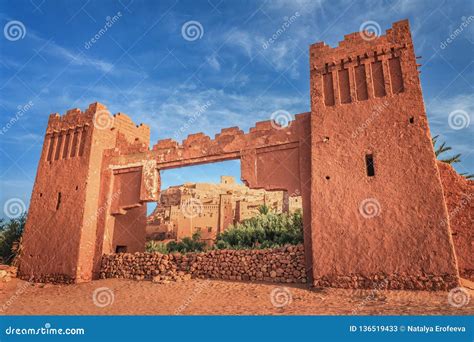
214 297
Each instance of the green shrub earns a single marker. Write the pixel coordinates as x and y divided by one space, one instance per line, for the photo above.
187 244
156 247
10 234
267 230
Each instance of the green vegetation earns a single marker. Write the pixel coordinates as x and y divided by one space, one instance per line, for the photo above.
263 209
266 230
449 160
156 247
10 235
187 244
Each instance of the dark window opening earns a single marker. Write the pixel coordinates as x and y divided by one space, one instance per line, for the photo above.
328 178
58 203
369 162
209 229
41 194
412 119
121 249
77 187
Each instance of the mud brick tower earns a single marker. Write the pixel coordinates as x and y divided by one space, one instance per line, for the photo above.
362 160
60 239
377 202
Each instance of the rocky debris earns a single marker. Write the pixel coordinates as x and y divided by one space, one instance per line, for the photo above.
7 272
393 282
171 276
49 278
279 265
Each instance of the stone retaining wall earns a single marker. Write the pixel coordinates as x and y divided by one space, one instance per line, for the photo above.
280 265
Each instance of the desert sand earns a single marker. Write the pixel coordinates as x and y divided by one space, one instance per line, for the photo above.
215 297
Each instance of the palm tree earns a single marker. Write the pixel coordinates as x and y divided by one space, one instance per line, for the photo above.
449 160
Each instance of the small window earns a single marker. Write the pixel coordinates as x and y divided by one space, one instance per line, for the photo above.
58 203
209 229
412 119
121 249
369 162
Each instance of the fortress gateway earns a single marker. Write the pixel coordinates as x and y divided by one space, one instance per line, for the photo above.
362 160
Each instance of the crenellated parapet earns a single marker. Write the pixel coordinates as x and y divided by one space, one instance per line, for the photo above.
230 143
66 134
131 131
362 66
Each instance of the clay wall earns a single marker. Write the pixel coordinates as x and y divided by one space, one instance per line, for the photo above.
377 200
459 196
62 237
58 197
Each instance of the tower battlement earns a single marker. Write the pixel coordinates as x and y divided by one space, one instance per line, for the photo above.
363 67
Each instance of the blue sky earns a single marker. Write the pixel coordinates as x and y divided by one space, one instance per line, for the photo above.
143 66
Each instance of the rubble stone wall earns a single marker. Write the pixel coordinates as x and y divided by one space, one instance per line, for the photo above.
280 265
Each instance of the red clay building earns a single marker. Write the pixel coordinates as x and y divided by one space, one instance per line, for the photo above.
362 160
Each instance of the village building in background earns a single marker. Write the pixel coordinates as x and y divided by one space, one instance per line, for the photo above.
210 208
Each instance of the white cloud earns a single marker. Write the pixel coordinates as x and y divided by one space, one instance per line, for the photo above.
213 62
70 56
242 39
439 108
